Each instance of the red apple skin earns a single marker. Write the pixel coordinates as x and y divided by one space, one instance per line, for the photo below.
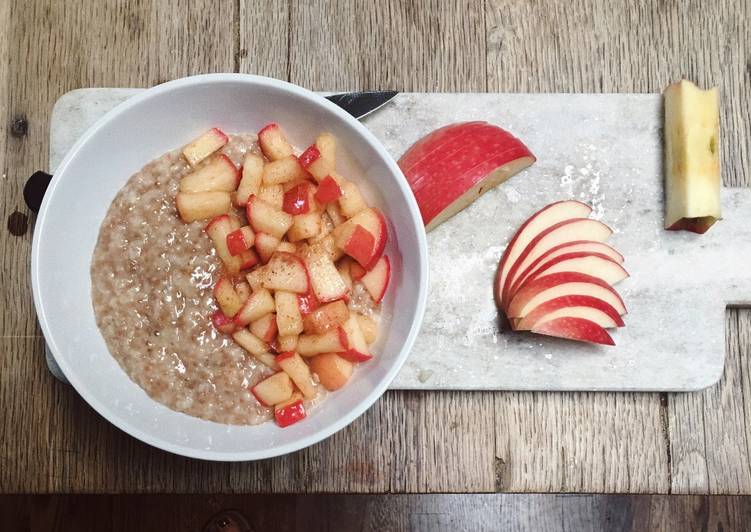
290 414
513 270
530 320
462 160
328 191
380 243
548 281
522 280
309 156
296 200
307 303
575 329
582 209
360 245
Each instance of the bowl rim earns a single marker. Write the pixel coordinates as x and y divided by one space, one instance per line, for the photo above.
277 450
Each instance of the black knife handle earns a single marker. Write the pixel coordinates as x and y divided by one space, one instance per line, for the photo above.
34 189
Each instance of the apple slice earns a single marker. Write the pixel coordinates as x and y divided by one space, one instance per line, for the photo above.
250 181
296 199
325 318
319 167
354 242
565 231
377 279
273 390
328 190
290 412
286 271
283 171
573 306
294 366
273 142
258 304
226 297
369 328
326 144
561 284
205 145
265 218
218 174
266 245
454 165
333 371
333 341
218 230
288 318
324 278
357 350
202 205
240 240
265 327
535 224
579 329
594 264
222 322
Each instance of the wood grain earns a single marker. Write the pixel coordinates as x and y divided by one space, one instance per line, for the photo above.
50 440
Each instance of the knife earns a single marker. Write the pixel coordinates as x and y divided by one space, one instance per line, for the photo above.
358 104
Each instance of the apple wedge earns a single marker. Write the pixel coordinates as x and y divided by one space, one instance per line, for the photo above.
287 272
205 145
579 329
218 174
328 191
565 231
377 279
297 199
454 165
355 242
538 222
573 306
561 284
594 264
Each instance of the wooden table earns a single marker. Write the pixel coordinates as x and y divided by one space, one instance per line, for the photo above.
51 441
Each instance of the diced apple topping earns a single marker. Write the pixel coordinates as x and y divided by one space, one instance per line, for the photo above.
264 327
218 174
296 199
357 348
304 226
227 298
273 390
289 247
202 205
377 279
355 241
243 290
307 303
286 271
326 144
265 218
328 190
290 411
333 341
287 343
288 318
298 371
240 240
329 316
222 322
319 167
351 201
369 328
218 230
324 277
273 142
205 145
333 371
258 304
335 213
283 171
250 181
273 195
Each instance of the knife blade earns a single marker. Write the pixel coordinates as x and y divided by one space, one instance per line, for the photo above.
360 104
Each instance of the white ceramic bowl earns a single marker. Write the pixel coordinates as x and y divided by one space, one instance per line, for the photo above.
141 129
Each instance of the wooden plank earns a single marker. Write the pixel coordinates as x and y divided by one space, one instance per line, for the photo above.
51 440
263 38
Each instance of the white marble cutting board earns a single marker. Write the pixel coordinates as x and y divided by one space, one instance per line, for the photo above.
601 149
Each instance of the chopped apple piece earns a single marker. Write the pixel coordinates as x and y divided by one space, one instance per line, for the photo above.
319 167
226 297
297 199
298 371
325 279
323 319
289 247
248 259
369 328
202 205
351 201
328 191
307 303
222 322
333 371
205 145
575 329
290 411
266 245
357 350
344 267
273 142
333 341
352 241
335 213
356 271
692 157
265 218
240 240
304 226
288 318
264 328
326 144
252 344
283 171
218 174
243 290
273 195
286 271
250 182
258 304
327 246
273 390
256 277
377 279
287 343
218 230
